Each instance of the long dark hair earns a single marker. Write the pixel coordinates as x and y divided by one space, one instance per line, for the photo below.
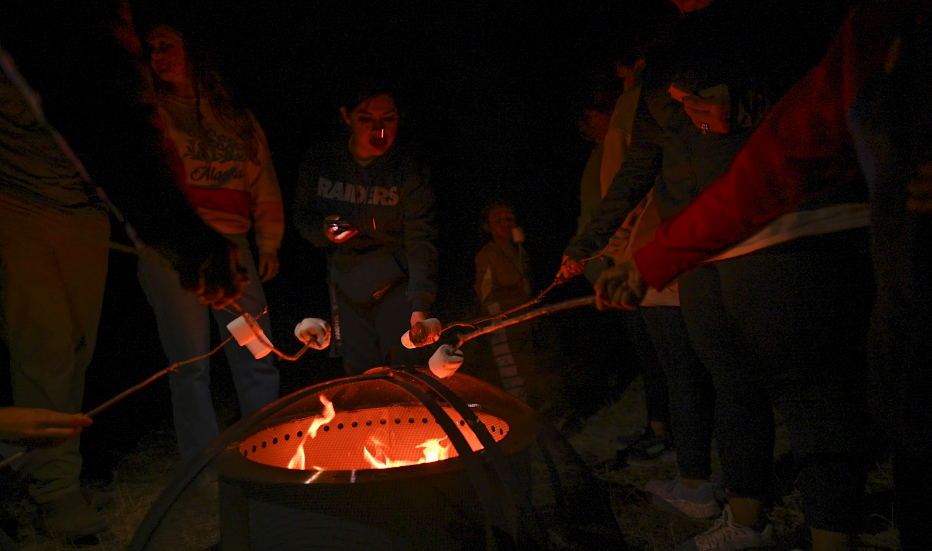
209 86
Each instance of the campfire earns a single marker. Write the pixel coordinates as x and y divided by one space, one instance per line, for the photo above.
370 438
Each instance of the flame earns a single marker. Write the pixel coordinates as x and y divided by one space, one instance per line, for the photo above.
297 460
431 448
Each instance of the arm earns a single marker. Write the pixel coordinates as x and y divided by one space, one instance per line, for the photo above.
268 212
420 235
40 426
307 216
801 149
629 186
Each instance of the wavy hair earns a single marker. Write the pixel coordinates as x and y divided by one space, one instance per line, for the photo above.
208 86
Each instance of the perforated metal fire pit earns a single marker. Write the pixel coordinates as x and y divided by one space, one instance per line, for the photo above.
376 462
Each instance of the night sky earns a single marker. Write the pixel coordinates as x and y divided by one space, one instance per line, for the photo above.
487 92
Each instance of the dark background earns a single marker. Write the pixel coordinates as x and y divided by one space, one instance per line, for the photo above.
488 91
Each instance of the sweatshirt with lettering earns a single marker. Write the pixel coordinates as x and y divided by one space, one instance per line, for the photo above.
230 186
390 202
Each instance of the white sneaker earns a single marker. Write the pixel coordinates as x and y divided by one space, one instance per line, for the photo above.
675 497
727 535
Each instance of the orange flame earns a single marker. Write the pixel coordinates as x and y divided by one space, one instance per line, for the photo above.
431 448
297 460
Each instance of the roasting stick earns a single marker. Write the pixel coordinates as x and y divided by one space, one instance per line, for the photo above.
546 310
501 315
130 391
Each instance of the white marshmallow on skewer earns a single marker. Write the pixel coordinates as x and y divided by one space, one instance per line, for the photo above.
429 331
313 330
248 333
445 361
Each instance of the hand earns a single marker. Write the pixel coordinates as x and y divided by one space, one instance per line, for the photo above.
315 331
714 114
337 234
570 268
40 427
621 287
213 272
920 191
268 266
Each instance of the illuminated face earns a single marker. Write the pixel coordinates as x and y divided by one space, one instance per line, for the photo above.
168 58
501 223
374 124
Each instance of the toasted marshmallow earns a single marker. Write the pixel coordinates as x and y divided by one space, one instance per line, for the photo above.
314 331
423 333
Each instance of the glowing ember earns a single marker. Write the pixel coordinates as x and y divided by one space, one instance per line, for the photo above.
297 461
432 450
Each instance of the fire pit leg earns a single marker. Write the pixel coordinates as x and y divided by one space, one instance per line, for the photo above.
234 523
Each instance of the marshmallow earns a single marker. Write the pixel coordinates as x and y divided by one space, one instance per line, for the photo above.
425 332
248 333
313 330
445 361
517 235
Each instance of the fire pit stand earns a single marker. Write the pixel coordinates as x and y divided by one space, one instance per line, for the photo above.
336 467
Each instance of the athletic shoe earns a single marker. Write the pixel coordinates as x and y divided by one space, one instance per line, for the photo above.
727 535
70 516
693 502
651 451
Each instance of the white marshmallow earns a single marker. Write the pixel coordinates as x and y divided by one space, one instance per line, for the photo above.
313 330
445 361
248 333
517 235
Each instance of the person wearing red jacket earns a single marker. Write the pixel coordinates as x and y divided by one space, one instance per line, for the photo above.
861 114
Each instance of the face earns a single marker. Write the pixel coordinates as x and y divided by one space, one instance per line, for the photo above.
501 223
374 124
168 58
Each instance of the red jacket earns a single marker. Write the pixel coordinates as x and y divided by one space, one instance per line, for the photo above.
802 148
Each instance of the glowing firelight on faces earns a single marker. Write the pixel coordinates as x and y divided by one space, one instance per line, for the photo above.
431 449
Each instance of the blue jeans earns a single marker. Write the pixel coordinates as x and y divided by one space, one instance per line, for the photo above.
184 329
786 327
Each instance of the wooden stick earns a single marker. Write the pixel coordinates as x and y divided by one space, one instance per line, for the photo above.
546 310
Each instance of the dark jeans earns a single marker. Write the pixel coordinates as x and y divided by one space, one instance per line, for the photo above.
650 360
689 385
371 334
786 327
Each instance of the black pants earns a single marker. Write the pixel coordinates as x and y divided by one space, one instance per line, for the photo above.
689 386
370 334
786 327
656 395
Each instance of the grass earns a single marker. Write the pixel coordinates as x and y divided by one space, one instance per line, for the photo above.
143 473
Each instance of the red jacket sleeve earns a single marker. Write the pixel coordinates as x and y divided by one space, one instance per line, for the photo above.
803 148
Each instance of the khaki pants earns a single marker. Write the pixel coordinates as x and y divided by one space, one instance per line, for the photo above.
53 267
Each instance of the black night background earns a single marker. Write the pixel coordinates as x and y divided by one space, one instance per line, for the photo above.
487 90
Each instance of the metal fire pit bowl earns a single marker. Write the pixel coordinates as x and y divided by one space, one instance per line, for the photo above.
339 500
392 432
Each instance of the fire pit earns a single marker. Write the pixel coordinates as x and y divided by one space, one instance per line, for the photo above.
368 463
389 460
